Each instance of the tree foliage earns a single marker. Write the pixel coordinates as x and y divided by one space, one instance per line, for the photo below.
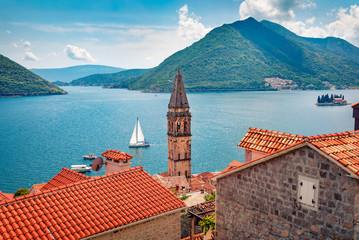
329 99
207 223
15 80
21 192
209 197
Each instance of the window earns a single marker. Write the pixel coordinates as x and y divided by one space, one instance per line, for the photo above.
178 126
179 156
308 192
124 161
185 126
186 174
179 173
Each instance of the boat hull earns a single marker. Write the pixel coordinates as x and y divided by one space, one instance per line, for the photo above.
138 145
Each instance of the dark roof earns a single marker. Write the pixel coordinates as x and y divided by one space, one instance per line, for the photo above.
178 96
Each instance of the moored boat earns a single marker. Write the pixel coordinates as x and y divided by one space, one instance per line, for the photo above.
80 168
91 156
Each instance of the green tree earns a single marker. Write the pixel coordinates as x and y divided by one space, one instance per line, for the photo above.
207 223
209 197
21 192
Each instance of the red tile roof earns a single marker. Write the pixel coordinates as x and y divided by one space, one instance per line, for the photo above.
87 207
117 155
232 164
267 141
6 196
342 147
65 176
355 104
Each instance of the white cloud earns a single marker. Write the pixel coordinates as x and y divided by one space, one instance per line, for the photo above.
8 31
281 10
347 25
310 20
30 56
26 44
53 54
189 26
307 4
77 53
15 45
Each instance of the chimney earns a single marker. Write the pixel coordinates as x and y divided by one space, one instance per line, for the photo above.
356 116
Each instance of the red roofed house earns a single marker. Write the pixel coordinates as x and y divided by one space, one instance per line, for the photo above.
258 142
116 161
128 204
306 190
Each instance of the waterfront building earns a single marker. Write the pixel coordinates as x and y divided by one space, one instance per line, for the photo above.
356 115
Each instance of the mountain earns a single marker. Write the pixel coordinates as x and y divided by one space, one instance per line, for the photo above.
108 79
70 73
16 80
241 55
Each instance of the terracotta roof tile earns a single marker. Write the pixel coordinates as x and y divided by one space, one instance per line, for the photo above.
65 176
116 155
267 141
342 147
87 207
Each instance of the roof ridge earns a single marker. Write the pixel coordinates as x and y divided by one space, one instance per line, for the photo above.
56 189
333 135
276 133
75 173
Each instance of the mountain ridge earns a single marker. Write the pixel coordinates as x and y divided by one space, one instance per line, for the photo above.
16 80
68 74
241 55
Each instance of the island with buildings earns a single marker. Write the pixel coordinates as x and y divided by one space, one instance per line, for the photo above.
332 100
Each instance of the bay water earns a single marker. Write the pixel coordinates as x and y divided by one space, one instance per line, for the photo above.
41 135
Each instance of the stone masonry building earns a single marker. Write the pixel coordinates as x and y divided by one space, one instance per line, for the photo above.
307 190
179 131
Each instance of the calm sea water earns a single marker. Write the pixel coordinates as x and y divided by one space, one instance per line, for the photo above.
41 135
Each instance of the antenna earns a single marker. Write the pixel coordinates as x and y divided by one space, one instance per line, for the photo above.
97 164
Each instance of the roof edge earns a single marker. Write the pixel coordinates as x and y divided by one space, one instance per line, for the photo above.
135 223
260 160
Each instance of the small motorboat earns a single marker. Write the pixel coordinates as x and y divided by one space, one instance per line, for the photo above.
80 168
91 156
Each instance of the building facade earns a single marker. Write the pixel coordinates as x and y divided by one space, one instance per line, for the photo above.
179 131
309 190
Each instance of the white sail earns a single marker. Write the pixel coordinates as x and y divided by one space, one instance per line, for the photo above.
133 137
140 137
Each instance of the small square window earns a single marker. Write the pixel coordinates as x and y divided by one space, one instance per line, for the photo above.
308 192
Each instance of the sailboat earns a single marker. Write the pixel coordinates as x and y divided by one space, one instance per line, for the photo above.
137 138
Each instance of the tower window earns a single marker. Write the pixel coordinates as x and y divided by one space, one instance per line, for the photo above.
185 126
179 156
179 173
178 126
186 174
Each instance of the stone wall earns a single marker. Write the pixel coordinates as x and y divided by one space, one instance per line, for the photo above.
261 202
164 227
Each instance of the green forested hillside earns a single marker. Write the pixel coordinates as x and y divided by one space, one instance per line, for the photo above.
108 79
239 56
15 80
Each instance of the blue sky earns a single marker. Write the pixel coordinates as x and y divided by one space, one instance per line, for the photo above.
142 33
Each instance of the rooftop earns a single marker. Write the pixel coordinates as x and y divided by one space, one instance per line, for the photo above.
65 176
116 155
342 148
178 96
86 207
267 141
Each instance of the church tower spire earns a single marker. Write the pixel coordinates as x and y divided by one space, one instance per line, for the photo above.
179 131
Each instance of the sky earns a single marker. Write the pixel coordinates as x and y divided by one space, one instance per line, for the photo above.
141 33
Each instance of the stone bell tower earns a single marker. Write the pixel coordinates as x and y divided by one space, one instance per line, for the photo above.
179 131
